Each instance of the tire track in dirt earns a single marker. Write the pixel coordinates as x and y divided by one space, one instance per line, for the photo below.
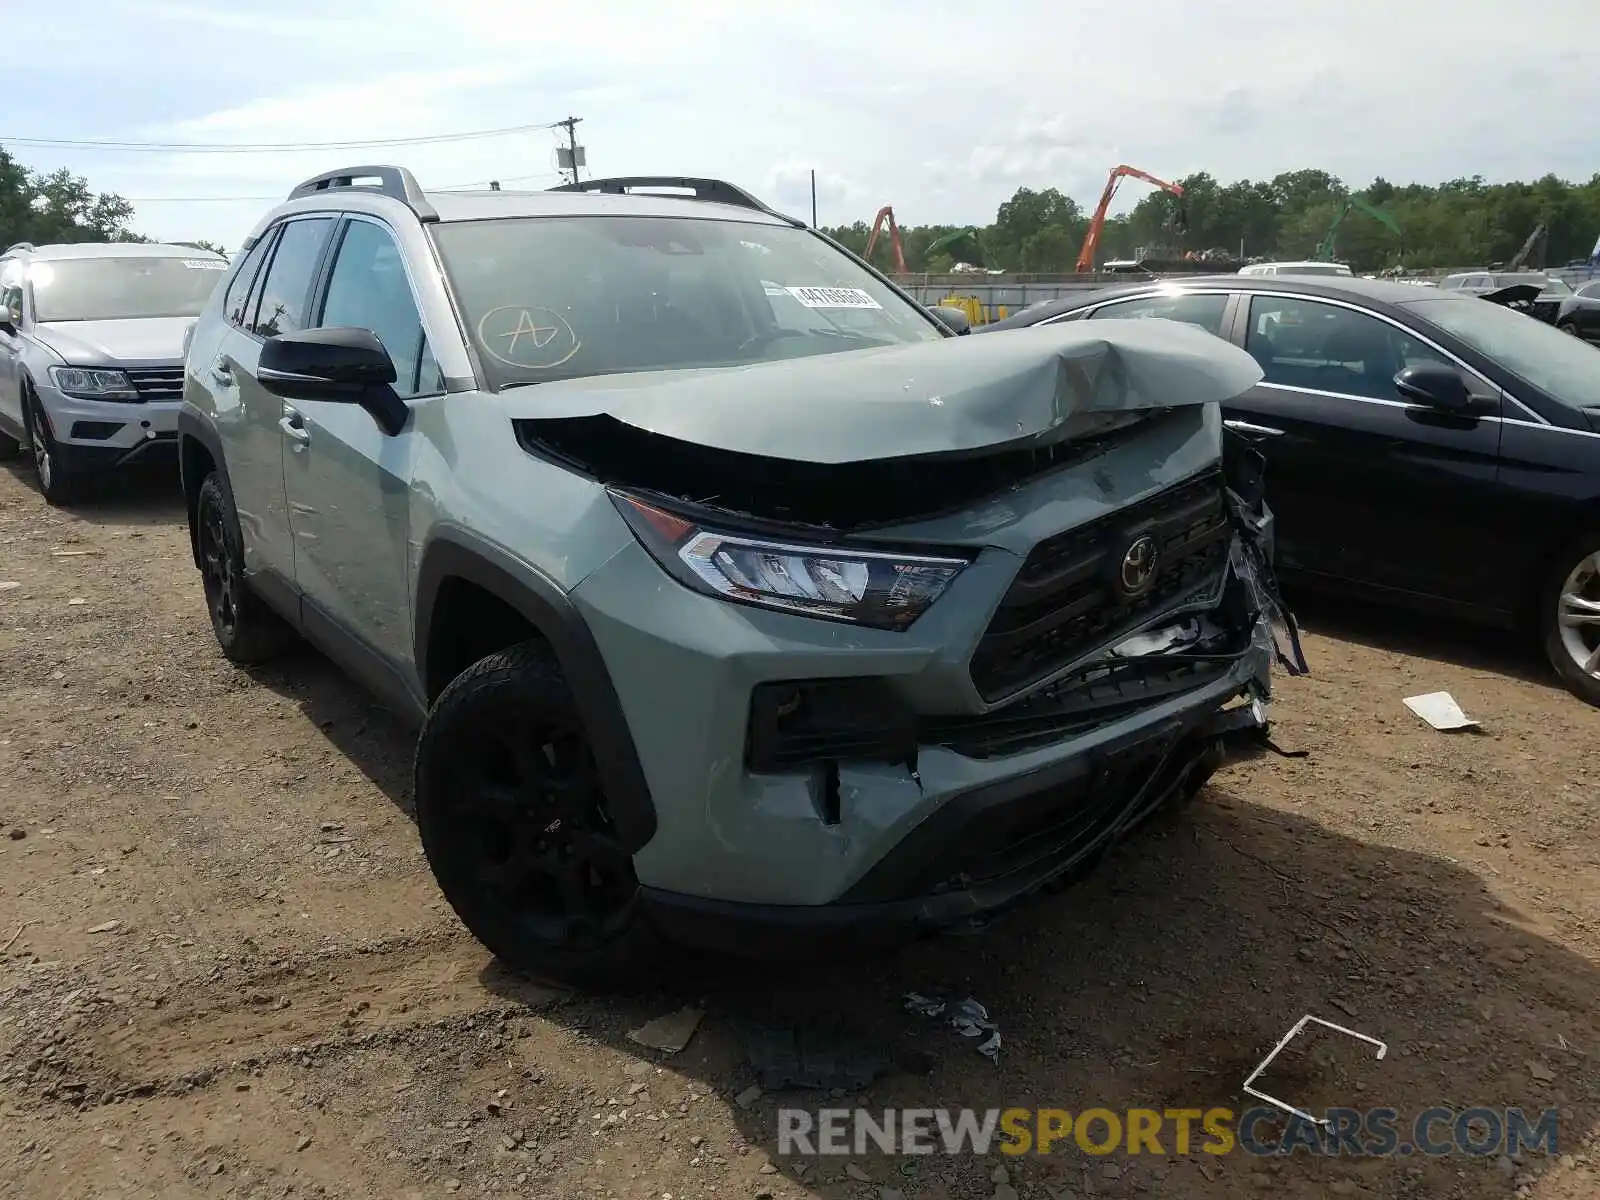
274 1013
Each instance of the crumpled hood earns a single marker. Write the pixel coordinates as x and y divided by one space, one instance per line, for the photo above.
946 397
152 341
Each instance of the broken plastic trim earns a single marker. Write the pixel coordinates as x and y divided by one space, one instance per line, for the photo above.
1245 467
1308 1019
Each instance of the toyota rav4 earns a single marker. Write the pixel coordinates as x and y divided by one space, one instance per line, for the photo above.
734 595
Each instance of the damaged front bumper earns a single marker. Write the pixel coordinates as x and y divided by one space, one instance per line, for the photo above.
821 787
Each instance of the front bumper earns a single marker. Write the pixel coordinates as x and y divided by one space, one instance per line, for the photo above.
983 850
739 822
98 435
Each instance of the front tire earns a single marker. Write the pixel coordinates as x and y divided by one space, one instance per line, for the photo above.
514 825
247 630
1569 615
59 485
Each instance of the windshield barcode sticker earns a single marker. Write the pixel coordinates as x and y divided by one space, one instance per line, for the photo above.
833 297
205 264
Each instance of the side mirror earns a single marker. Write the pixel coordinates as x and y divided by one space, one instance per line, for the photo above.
344 364
1435 385
953 319
8 322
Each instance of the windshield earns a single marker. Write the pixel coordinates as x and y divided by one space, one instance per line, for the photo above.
548 298
119 289
1565 367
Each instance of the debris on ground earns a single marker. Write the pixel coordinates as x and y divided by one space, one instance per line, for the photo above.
1249 1084
1440 710
671 1033
968 1018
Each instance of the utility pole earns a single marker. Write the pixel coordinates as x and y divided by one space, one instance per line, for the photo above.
571 156
813 197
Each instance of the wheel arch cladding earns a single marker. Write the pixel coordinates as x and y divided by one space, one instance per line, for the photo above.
199 453
455 565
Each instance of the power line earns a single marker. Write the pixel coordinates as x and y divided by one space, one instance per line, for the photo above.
270 147
448 187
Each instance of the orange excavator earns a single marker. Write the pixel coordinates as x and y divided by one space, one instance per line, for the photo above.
1091 242
887 214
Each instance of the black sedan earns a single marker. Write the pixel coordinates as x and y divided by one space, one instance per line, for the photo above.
1579 313
1424 448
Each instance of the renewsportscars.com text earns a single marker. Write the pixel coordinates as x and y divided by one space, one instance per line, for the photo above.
1257 1131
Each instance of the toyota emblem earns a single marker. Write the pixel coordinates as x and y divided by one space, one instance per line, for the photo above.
1138 569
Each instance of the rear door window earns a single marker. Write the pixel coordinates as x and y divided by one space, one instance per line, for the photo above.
286 290
1204 310
236 302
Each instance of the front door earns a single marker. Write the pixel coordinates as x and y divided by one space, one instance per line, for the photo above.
348 482
1366 486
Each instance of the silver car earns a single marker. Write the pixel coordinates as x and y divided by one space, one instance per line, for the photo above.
91 354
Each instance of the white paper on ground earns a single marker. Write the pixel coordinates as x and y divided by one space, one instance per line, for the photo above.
1440 710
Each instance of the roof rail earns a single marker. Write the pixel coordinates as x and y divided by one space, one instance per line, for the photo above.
715 191
395 182
18 246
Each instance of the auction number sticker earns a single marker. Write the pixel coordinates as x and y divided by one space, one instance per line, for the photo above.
205 264
833 297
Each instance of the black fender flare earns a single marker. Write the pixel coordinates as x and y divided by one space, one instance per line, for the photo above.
455 553
192 426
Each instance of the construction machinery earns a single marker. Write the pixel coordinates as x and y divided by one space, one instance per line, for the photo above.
1091 242
1531 256
971 236
1324 250
886 213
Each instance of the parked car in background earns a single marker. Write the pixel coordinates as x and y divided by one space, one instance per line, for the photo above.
91 354
1531 292
1273 269
1422 448
625 499
1579 313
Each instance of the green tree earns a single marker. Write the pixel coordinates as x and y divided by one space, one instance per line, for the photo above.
1458 223
58 206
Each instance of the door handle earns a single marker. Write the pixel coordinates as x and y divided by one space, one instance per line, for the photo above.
222 372
1249 427
293 424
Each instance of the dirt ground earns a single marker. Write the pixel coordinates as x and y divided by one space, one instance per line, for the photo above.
226 971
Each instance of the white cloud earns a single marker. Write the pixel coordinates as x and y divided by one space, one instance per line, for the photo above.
940 108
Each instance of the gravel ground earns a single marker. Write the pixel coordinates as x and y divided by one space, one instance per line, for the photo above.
226 971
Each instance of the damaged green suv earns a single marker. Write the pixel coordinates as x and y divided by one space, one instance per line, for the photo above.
734 594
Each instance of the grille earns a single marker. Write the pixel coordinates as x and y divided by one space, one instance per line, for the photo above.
1064 601
155 384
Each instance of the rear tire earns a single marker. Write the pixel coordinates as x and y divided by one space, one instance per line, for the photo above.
1569 616
514 824
247 630
59 485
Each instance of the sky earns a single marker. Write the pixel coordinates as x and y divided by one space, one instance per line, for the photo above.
941 110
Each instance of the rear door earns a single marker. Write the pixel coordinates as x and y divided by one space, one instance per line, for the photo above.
1367 487
248 417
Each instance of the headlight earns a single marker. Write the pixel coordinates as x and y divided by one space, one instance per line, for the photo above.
88 384
863 587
